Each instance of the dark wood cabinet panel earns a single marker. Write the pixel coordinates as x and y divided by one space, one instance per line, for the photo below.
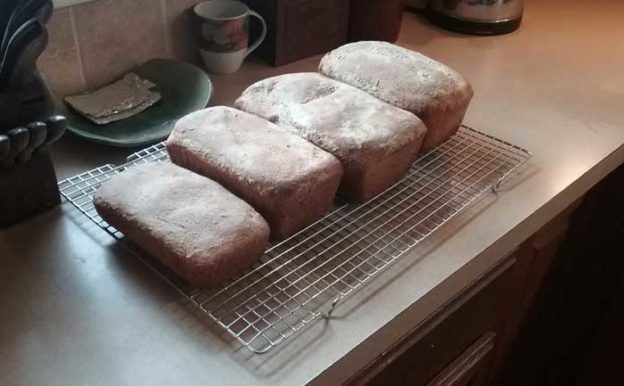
550 314
472 367
567 335
467 343
603 360
534 257
424 353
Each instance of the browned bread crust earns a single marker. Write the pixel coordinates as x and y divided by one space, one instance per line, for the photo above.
375 142
191 224
406 79
291 182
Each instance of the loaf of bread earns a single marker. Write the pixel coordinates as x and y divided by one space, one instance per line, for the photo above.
290 181
406 79
375 142
191 224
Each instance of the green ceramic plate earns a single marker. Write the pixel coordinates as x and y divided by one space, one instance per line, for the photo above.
184 89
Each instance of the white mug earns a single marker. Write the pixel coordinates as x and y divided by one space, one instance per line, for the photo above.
224 41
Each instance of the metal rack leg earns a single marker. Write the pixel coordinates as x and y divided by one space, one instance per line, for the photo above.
328 314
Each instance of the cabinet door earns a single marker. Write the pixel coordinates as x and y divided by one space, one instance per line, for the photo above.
534 259
472 367
430 348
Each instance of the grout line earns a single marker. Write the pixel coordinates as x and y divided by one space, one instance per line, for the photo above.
166 29
72 21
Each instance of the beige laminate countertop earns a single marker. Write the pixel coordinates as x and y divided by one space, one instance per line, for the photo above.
78 310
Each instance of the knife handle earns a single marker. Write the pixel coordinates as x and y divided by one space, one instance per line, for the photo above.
19 140
56 125
56 128
5 148
38 134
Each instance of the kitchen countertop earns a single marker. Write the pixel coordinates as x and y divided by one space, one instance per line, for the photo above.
79 310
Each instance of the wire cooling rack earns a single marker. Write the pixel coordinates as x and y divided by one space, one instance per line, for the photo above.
305 277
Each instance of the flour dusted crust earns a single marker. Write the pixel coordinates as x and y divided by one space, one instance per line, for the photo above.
192 224
375 142
290 181
406 79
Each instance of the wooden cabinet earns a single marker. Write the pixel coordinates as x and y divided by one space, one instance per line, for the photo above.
571 328
467 342
534 257
472 367
461 333
551 314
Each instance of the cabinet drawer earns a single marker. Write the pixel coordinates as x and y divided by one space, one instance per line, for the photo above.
472 367
425 352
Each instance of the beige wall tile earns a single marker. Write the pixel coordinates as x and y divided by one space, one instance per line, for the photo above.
60 62
182 29
116 35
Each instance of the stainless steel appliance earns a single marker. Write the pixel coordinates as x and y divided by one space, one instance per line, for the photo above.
482 17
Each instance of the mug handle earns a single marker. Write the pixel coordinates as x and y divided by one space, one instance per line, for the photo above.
263 35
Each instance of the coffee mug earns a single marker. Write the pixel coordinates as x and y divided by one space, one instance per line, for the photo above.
224 41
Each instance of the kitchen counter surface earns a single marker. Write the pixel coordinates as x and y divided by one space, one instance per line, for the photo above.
79 310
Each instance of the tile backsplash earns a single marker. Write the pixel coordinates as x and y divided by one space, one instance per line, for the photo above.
94 43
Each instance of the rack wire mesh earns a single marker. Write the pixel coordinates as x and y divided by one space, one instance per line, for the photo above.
323 264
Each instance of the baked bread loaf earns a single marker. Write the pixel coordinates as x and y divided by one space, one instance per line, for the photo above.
191 224
291 182
406 79
375 142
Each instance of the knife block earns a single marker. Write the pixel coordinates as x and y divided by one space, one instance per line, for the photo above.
28 184
27 179
27 188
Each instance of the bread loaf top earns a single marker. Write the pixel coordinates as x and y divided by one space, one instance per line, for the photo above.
337 117
249 147
192 214
401 77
